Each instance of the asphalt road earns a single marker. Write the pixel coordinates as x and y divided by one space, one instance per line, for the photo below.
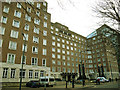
107 86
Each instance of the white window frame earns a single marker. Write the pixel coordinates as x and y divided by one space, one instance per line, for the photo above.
24 62
17 14
44 42
30 73
44 33
27 18
25 47
12 45
38 5
14 34
12 56
2 30
45 24
43 63
18 5
35 62
6 9
16 23
34 49
44 51
4 19
12 75
35 39
5 73
36 30
26 27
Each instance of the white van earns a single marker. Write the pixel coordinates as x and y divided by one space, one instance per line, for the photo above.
48 81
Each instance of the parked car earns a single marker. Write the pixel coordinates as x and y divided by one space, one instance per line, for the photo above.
33 84
47 81
102 79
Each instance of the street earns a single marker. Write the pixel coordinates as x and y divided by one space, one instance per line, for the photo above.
111 85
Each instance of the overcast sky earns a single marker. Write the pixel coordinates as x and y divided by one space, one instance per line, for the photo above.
77 15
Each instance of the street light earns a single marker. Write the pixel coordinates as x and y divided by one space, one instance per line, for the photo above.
22 62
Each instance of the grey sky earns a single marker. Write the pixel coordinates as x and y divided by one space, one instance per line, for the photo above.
76 14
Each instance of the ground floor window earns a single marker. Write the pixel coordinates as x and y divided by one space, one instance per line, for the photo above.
5 72
30 73
36 74
22 73
12 73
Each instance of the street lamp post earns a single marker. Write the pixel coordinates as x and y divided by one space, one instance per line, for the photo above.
22 62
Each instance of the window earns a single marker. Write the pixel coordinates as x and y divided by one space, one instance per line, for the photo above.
58 56
1 41
56 29
36 74
44 33
53 43
68 70
63 63
2 30
76 65
67 42
34 61
52 27
43 62
34 49
44 42
63 57
30 73
68 64
53 49
58 50
12 45
29 9
58 39
37 21
10 58
5 72
17 14
23 59
63 41
63 46
6 9
18 5
35 39
16 23
25 37
14 34
53 69
45 24
45 17
38 5
25 47
68 52
71 48
67 47
63 51
68 58
44 3
4 19
22 73
12 73
53 61
41 73
26 27
64 70
36 30
44 51
38 13
28 18
58 69
53 55
58 44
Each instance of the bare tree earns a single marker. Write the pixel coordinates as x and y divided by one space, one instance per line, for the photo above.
109 10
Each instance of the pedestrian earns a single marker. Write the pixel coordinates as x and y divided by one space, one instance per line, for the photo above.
116 79
110 79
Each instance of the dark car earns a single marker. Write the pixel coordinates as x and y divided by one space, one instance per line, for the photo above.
33 84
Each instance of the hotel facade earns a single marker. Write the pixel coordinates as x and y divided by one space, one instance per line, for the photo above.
49 48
